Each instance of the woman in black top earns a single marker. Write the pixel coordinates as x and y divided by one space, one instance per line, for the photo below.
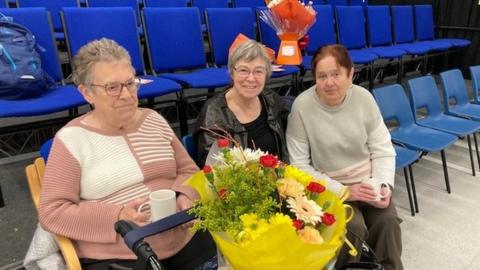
251 114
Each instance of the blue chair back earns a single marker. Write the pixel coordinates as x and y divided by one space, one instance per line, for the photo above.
363 3
454 88
253 4
174 38
379 25
351 26
190 146
267 35
322 31
45 149
166 3
117 3
424 22
424 94
334 3
3 4
204 4
53 6
394 105
475 75
404 156
402 17
83 25
38 21
221 34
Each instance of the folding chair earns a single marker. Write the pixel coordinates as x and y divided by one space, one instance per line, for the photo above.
175 43
35 174
475 75
351 33
454 89
424 28
54 7
424 94
394 105
404 160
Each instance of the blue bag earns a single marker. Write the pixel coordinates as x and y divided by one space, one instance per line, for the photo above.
21 73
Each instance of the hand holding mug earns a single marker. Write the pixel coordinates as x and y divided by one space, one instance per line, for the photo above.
376 185
129 212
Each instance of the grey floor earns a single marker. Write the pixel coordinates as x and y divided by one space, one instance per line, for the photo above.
443 236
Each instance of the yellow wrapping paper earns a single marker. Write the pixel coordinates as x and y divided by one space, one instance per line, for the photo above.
280 247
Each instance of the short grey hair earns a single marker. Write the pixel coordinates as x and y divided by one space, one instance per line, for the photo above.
102 50
249 51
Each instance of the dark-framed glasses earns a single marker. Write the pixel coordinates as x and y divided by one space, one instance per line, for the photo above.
258 72
114 89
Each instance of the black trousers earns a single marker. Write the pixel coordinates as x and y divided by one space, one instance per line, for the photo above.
200 249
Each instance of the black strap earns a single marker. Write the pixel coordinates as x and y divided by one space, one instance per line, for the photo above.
158 226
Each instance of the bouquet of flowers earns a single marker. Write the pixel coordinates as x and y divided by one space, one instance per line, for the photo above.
254 206
291 20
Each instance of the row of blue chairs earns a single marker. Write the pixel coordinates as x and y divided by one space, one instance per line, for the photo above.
422 124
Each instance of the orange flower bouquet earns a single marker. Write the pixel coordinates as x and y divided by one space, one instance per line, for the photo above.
291 20
254 206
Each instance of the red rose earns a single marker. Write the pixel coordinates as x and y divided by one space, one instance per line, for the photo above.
315 187
328 219
269 161
298 224
222 193
223 143
207 169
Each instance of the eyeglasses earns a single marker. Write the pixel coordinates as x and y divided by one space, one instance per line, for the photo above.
114 89
258 73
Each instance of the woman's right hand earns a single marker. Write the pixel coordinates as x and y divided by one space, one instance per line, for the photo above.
361 192
130 212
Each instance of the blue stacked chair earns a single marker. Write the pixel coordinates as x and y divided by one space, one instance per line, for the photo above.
166 3
363 3
175 43
475 75
424 27
404 160
351 33
190 146
3 4
403 29
454 89
335 3
119 3
394 105
54 7
204 4
424 94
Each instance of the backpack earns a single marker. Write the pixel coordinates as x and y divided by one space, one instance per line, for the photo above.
21 73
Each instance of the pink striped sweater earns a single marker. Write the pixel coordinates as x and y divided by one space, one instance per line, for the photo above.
91 173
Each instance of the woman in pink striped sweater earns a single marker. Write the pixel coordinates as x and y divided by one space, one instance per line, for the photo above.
104 164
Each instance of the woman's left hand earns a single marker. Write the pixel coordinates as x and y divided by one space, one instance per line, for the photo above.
384 202
183 202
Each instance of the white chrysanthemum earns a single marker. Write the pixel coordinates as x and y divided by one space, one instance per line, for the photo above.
306 210
239 157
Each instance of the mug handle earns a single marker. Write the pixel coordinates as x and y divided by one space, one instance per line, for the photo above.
140 207
389 190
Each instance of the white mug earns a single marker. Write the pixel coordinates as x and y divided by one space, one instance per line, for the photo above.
163 203
377 185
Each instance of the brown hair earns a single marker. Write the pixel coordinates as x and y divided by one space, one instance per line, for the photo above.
337 51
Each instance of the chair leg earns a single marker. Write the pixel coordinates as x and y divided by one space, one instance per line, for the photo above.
476 148
471 155
414 191
445 171
409 191
182 114
2 203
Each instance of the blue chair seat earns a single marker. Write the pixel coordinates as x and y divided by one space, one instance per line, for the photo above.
307 62
57 99
467 110
414 48
404 156
361 57
157 87
424 139
385 52
456 42
202 78
450 124
436 45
